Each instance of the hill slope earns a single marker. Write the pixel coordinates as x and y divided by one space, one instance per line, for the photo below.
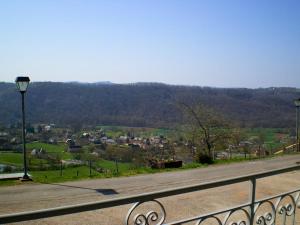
144 104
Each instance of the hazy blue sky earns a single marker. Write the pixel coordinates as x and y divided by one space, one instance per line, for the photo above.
229 43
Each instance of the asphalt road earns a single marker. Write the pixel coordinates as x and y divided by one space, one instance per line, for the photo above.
37 196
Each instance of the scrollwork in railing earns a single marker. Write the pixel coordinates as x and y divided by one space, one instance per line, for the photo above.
211 218
151 217
239 223
297 199
267 218
286 209
245 221
228 219
266 212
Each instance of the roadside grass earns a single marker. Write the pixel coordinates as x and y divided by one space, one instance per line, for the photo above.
83 172
236 159
68 174
9 182
125 169
111 165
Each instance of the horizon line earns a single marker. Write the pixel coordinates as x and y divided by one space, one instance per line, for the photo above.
153 83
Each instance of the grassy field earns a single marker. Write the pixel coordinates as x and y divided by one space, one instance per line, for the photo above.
273 137
16 159
68 174
111 165
11 158
53 149
83 172
116 131
125 169
109 168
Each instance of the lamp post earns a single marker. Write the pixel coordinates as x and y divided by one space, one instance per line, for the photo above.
297 104
22 84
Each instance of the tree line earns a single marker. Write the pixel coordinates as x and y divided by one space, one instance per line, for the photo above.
145 104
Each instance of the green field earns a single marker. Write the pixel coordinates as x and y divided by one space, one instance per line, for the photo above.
116 131
11 158
273 137
58 149
16 159
111 165
68 174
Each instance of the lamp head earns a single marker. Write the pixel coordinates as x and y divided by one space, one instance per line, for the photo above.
22 83
297 102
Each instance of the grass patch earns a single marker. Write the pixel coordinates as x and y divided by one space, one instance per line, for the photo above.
9 182
48 147
52 149
16 159
193 165
125 169
11 158
272 136
111 165
237 159
68 174
116 131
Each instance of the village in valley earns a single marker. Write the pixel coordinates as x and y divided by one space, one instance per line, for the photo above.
114 150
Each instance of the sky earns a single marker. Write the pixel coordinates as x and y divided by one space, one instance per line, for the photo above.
218 43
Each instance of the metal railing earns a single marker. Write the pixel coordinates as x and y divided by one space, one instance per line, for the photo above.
281 206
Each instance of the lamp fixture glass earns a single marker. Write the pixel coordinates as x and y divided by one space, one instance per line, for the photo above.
22 83
297 102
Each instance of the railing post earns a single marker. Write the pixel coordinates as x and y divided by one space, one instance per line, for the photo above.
252 199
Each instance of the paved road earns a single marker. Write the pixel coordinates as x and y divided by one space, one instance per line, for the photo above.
36 196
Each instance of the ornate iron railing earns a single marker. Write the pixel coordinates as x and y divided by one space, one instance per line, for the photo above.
268 211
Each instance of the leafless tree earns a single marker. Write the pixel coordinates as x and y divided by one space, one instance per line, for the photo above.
211 128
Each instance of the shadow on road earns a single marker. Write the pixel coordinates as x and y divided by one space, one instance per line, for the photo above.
100 190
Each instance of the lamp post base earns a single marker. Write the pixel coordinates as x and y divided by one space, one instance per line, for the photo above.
25 178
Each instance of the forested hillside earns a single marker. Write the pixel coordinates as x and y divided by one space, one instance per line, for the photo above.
144 104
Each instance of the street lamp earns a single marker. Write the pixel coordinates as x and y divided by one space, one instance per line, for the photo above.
297 104
22 84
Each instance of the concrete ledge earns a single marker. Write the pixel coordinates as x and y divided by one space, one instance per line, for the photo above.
12 176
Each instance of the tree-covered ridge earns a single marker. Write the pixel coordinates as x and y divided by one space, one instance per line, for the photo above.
144 104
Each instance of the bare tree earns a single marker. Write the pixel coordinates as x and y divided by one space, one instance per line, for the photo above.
260 141
237 136
211 128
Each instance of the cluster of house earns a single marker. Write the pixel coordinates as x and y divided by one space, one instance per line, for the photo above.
123 140
38 128
10 141
11 138
6 140
143 143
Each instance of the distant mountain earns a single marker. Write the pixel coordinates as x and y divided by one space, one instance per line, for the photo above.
95 83
144 104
